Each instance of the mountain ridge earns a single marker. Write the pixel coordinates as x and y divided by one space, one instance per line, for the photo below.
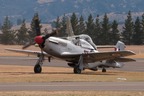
50 9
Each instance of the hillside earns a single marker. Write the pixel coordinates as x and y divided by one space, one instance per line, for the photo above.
50 9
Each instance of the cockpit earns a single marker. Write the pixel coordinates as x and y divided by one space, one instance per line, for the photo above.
84 41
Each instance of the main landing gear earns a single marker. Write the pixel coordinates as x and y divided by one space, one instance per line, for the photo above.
79 67
103 69
77 70
38 66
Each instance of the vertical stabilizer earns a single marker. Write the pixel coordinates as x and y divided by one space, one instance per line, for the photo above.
120 46
69 29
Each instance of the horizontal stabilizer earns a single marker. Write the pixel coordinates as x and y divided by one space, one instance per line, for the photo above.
125 60
100 47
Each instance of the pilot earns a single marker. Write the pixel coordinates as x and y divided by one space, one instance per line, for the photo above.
76 41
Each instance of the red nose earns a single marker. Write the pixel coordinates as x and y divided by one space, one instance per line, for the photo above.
39 39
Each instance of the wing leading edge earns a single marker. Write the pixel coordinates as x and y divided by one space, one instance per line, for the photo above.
30 52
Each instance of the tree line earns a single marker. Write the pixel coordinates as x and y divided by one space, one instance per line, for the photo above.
105 32
101 31
19 36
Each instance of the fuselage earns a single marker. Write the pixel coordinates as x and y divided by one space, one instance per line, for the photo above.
56 46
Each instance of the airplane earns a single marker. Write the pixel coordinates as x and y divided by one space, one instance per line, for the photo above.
78 51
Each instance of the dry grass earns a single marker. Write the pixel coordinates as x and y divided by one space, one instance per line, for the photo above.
73 93
26 74
11 74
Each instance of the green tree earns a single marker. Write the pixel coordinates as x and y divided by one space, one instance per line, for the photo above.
8 35
128 29
90 27
115 36
81 25
138 34
32 31
97 31
62 31
142 25
74 22
106 26
22 34
57 24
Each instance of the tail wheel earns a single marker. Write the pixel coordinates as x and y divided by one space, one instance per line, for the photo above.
37 68
77 70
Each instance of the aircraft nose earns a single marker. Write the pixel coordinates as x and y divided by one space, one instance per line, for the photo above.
39 39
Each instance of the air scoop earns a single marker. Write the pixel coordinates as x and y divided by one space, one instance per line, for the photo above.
39 39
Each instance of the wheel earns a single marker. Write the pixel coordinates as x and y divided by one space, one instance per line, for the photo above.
103 70
77 70
37 68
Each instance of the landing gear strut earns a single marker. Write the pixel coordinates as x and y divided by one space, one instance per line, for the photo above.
103 70
79 67
38 66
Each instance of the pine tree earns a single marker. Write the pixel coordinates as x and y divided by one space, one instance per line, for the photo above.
32 31
137 35
106 30
62 32
115 36
8 35
128 29
81 26
74 22
90 26
142 25
22 34
97 31
57 24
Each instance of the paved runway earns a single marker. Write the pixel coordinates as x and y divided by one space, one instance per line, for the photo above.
70 86
74 86
29 61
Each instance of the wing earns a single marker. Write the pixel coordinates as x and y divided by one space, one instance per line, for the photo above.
100 56
30 52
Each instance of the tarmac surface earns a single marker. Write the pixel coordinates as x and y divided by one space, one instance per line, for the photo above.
70 86
74 86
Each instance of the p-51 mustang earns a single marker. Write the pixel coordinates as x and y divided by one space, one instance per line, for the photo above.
78 50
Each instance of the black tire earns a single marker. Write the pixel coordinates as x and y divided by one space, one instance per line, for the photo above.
103 70
77 70
37 68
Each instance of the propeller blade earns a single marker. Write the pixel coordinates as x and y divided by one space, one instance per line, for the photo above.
40 39
53 33
37 30
28 45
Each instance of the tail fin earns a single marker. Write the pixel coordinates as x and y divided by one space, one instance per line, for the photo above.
69 29
120 46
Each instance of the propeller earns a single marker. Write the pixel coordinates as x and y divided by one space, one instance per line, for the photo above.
40 39
38 33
